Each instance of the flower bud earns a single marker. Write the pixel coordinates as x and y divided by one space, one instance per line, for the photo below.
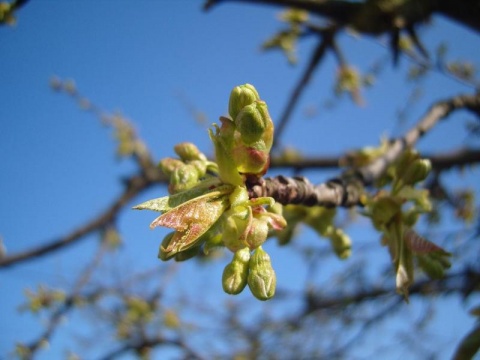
257 233
235 226
417 171
200 166
188 152
341 243
253 121
240 97
235 274
167 165
261 276
183 178
238 196
404 161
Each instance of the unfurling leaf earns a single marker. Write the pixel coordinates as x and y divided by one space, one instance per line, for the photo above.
191 220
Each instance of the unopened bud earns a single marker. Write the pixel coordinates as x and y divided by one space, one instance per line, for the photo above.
261 276
252 122
341 243
235 226
240 97
200 166
404 161
417 171
188 152
167 165
235 274
183 178
257 233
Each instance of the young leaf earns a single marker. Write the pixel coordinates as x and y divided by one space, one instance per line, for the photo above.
191 220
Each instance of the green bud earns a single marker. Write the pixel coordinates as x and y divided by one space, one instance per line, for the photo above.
404 161
167 165
417 171
253 122
235 226
183 178
257 233
188 152
261 276
240 97
235 274
200 166
238 196
341 243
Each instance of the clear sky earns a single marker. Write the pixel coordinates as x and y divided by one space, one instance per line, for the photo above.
155 61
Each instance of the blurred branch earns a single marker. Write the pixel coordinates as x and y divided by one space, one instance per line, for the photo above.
463 282
317 56
145 344
440 162
346 12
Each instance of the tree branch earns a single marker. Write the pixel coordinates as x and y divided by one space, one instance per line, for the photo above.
301 85
440 162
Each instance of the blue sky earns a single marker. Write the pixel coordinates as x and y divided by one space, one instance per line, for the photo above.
146 60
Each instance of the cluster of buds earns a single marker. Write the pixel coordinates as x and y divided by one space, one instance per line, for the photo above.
253 269
395 213
207 211
186 171
243 142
